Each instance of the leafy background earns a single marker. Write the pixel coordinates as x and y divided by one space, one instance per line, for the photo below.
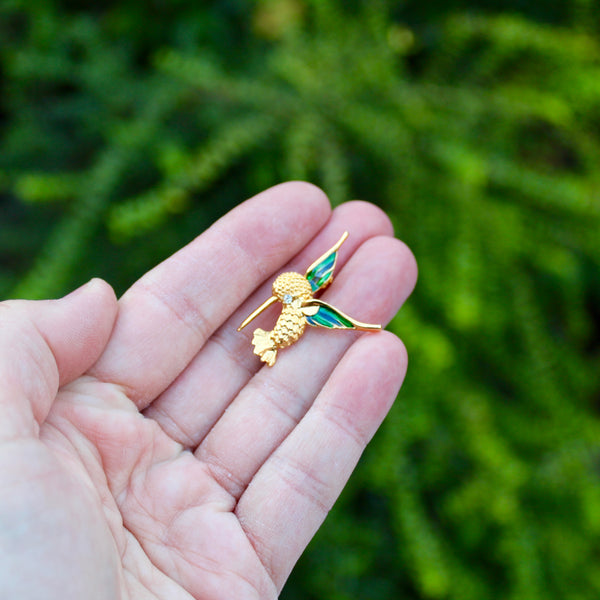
127 128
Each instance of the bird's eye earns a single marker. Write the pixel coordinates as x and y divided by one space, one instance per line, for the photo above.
287 298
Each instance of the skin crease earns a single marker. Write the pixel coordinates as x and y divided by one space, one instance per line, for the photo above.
146 453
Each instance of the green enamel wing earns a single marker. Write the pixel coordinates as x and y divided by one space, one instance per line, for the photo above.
319 313
320 273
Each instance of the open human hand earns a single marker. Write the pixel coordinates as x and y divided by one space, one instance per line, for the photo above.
146 453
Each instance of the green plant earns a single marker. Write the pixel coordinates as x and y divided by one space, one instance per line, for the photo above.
478 134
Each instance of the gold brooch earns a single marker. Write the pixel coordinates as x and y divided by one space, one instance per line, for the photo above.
295 292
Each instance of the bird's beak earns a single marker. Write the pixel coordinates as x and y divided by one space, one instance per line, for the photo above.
257 312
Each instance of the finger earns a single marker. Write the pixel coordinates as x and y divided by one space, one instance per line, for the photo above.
372 287
190 407
291 494
166 317
45 344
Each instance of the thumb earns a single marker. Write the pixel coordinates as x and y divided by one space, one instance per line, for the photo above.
45 344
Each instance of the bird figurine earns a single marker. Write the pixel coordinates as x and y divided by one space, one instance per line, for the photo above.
295 292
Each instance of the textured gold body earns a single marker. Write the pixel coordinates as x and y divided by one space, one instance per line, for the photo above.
292 290
289 327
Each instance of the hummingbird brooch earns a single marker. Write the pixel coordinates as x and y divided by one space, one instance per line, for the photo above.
295 292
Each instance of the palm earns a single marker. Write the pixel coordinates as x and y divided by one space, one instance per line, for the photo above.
169 520
180 468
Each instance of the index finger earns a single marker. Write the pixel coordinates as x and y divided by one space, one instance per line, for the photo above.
168 314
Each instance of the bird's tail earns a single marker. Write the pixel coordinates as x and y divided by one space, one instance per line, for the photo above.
264 346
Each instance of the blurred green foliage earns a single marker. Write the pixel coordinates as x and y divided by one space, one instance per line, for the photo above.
128 128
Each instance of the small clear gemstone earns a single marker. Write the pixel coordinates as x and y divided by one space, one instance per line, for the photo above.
287 298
